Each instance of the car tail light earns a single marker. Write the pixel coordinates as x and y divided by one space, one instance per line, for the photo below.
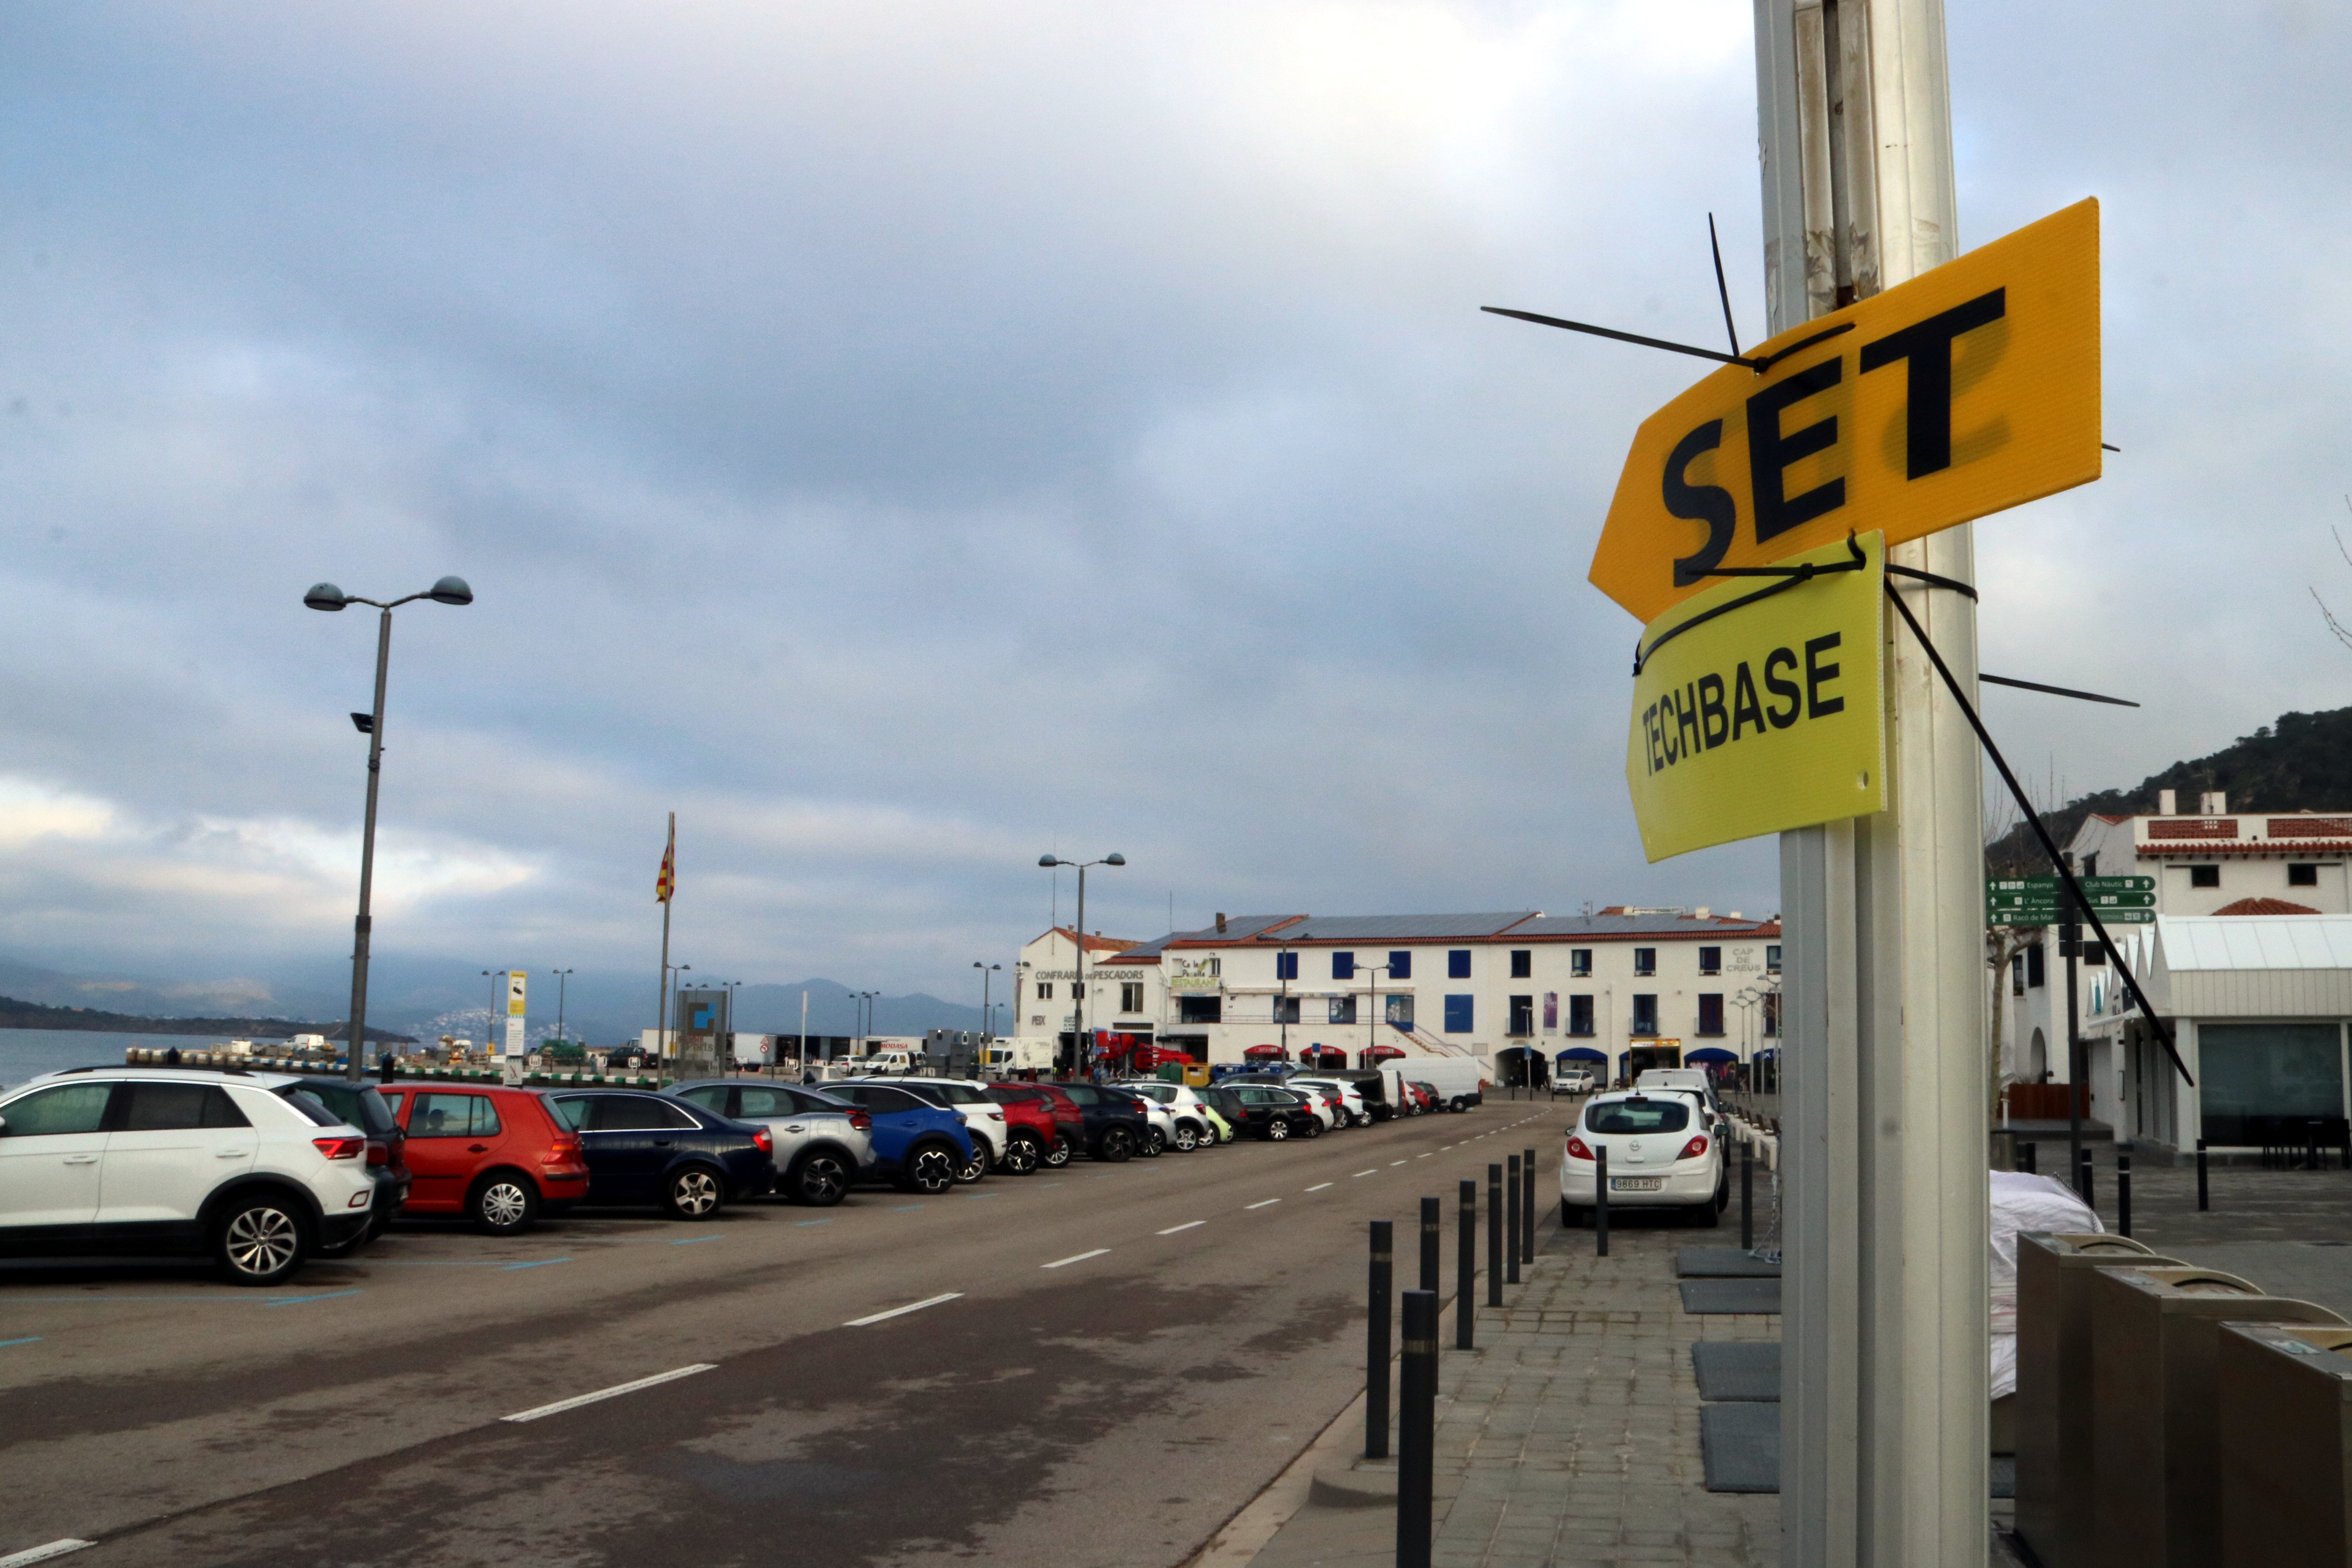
763 1140
379 1153
1694 1149
340 1148
862 1120
1576 1149
564 1150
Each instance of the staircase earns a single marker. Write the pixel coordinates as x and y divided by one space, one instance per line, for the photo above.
1431 1044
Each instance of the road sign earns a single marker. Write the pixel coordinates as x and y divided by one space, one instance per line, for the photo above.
2113 884
1756 710
1973 388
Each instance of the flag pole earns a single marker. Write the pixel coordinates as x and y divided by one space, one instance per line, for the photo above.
661 991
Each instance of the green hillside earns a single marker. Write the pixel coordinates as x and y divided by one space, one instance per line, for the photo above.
17 1015
2302 763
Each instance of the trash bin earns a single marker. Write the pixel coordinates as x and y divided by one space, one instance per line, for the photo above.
2285 1440
2054 1437
2155 1408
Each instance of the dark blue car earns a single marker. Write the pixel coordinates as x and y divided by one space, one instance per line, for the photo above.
646 1148
918 1145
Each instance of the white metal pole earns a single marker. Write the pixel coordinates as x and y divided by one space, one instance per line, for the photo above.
1884 1412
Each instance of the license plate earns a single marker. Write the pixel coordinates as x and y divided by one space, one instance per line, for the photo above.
1635 1184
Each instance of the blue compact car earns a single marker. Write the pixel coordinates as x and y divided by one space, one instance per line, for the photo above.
646 1148
917 1145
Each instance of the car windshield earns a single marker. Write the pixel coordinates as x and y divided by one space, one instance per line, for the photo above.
1637 1116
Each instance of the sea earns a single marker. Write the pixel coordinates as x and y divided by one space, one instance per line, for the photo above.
25 1053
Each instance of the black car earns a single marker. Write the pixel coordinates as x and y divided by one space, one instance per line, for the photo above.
1118 1128
647 1148
361 1106
1272 1112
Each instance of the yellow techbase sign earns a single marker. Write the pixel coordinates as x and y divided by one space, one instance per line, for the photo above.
1972 387
1758 705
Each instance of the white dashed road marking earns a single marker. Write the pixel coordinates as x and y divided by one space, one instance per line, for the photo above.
43 1553
1318 1186
1261 1205
1074 1257
1186 1226
577 1400
902 1311
1371 1172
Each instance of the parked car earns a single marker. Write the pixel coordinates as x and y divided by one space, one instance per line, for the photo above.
1064 1124
1420 1099
918 1146
1276 1113
496 1156
1350 1096
144 1161
1193 1123
648 1148
1117 1127
822 1146
1662 1153
1224 1099
984 1119
360 1105
1571 1080
1160 1119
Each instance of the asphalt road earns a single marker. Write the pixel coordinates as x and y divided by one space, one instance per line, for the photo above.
1128 1354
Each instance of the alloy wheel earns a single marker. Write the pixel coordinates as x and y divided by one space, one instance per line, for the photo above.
823 1181
694 1194
932 1171
261 1241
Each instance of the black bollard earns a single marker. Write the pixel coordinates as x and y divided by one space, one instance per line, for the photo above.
2201 1195
1600 1200
1417 1429
1465 1270
1747 1197
2123 1193
1494 1235
1528 1207
1430 1221
1376 1347
2082 1181
2025 1161
1511 1219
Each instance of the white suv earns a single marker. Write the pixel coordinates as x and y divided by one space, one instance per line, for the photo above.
1664 1152
141 1160
1191 1121
1351 1097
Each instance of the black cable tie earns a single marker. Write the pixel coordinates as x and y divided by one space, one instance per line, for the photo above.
1934 579
2082 904
2055 690
1790 577
1756 365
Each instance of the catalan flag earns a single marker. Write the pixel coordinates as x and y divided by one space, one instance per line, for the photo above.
666 884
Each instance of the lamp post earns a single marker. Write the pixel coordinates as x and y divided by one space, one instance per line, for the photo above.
670 1012
562 979
1079 996
987 1014
327 597
1282 973
497 977
1372 1023
728 1064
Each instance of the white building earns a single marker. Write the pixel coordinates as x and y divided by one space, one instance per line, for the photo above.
1678 985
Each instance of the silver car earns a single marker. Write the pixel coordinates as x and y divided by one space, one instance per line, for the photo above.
820 1149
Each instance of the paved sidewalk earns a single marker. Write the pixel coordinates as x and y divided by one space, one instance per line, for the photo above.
1570 1436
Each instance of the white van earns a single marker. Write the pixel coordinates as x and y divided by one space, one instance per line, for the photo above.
1689 1078
1459 1082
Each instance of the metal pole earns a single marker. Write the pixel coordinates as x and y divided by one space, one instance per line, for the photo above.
1081 1055
1747 1196
2123 1193
1511 1219
2083 1180
1600 1200
562 984
1376 1344
1417 1429
1494 1235
1465 1270
2201 1195
2070 944
1527 1206
2028 1151
1430 1219
361 928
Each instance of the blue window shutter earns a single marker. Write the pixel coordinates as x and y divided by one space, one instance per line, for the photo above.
1457 963
1458 1015
1400 966
1343 966
1285 966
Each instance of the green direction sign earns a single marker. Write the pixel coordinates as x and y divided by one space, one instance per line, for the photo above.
2045 915
2109 884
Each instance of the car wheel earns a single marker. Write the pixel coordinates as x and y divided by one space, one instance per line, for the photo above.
1155 1144
1116 1145
1570 1217
1314 1128
1188 1137
694 1192
1457 1105
261 1241
1022 1156
502 1204
930 1169
1705 1215
1277 1129
1059 1155
971 1170
821 1179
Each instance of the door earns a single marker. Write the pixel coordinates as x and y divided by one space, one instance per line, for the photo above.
778 1110
172 1145
50 1151
629 1138
450 1138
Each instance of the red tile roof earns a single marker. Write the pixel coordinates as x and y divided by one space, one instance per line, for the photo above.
1097 943
2264 907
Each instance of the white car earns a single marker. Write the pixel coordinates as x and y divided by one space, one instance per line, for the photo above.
1191 1122
1161 1117
1351 1097
1571 1080
180 1160
1664 1152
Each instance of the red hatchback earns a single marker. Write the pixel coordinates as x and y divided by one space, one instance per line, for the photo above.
494 1155
1049 1115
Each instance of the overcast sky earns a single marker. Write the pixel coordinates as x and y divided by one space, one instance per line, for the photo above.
907 438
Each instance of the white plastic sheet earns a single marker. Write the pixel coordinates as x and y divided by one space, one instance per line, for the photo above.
2023 1201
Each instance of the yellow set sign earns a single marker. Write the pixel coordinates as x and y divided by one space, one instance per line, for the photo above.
1973 388
1759 704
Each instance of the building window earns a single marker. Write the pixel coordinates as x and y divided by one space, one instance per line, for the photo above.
2302 876
1457 963
1523 962
1773 958
1343 966
1645 961
1343 1009
1131 995
1200 1009
2037 966
1523 1016
2017 974
2204 876
1710 960
1551 1012
1458 1015
1580 961
1400 966
1285 1009
1580 1014
2090 865
1045 991
1645 1015
1399 1009
2094 955
1772 1014
1710 1012
1285 966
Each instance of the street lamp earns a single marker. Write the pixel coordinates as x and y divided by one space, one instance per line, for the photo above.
1372 1023
562 979
732 987
987 1026
497 977
1078 1017
327 597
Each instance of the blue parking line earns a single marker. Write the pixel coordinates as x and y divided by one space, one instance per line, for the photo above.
541 1263
305 1300
902 1208
696 1240
28 1340
804 1225
448 1263
977 1197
